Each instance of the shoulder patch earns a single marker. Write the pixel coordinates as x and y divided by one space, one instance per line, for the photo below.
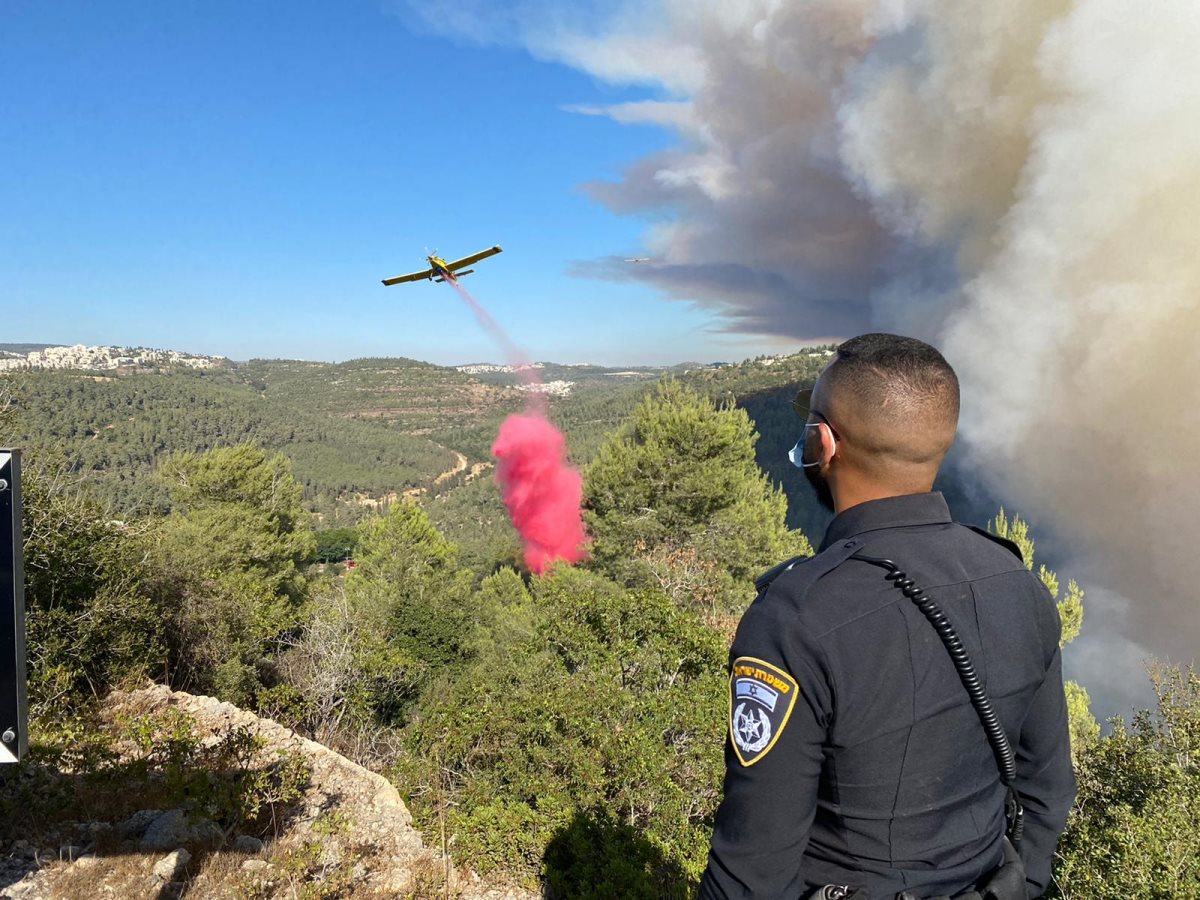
1003 542
761 698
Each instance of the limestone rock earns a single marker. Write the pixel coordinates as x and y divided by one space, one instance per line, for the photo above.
135 826
167 831
247 844
172 866
172 829
207 834
349 827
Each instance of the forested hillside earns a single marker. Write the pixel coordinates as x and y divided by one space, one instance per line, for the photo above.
359 433
356 432
563 730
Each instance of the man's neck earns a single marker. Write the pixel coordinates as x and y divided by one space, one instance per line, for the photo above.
850 495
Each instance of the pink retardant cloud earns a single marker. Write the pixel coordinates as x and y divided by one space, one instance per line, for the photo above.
541 490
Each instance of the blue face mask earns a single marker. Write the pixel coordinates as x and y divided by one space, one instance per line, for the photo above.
796 454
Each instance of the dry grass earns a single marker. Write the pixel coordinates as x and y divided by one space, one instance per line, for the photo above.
292 869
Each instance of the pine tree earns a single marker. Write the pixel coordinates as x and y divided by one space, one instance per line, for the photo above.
675 500
1084 727
230 556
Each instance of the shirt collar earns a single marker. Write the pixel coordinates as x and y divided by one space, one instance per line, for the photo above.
890 512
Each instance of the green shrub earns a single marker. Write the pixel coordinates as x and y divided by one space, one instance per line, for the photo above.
335 544
1082 724
597 856
613 701
675 499
397 624
1135 828
228 564
409 588
91 623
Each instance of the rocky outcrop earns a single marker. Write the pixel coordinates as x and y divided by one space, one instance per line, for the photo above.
348 834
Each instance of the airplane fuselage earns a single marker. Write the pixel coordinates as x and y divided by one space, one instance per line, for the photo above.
440 269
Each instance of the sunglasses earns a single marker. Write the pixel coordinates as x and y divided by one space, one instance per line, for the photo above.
802 405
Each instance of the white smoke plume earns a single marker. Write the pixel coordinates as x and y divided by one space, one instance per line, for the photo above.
1017 182
1065 144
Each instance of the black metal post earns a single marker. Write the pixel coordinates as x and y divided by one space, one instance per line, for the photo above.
14 731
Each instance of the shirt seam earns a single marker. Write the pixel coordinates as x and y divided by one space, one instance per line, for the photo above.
912 672
831 540
937 587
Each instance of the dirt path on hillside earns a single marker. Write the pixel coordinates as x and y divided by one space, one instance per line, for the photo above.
459 466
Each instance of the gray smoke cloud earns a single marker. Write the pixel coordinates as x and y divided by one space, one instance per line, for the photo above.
1017 182
1063 147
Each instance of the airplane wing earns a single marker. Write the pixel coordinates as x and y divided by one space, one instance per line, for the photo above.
415 276
468 260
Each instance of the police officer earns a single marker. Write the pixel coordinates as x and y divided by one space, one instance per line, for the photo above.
854 757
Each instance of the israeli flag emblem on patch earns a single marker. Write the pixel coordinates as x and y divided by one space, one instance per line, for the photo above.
761 697
748 687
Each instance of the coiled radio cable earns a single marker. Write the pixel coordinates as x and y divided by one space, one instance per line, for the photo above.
997 738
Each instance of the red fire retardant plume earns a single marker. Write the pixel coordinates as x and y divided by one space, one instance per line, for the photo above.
542 492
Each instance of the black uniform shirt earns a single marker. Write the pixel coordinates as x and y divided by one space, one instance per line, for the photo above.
853 754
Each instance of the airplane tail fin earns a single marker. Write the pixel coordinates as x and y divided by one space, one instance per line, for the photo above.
462 273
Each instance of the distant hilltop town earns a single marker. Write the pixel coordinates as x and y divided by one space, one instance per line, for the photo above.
553 388
487 368
557 388
81 357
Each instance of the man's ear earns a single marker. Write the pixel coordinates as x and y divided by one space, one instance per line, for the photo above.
828 443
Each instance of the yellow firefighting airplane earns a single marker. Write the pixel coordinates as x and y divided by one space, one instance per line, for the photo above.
440 270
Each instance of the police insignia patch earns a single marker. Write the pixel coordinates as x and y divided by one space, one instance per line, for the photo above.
761 697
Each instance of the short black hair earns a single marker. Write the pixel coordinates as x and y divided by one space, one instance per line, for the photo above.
894 378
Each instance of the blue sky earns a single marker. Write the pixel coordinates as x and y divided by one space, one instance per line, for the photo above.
235 178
